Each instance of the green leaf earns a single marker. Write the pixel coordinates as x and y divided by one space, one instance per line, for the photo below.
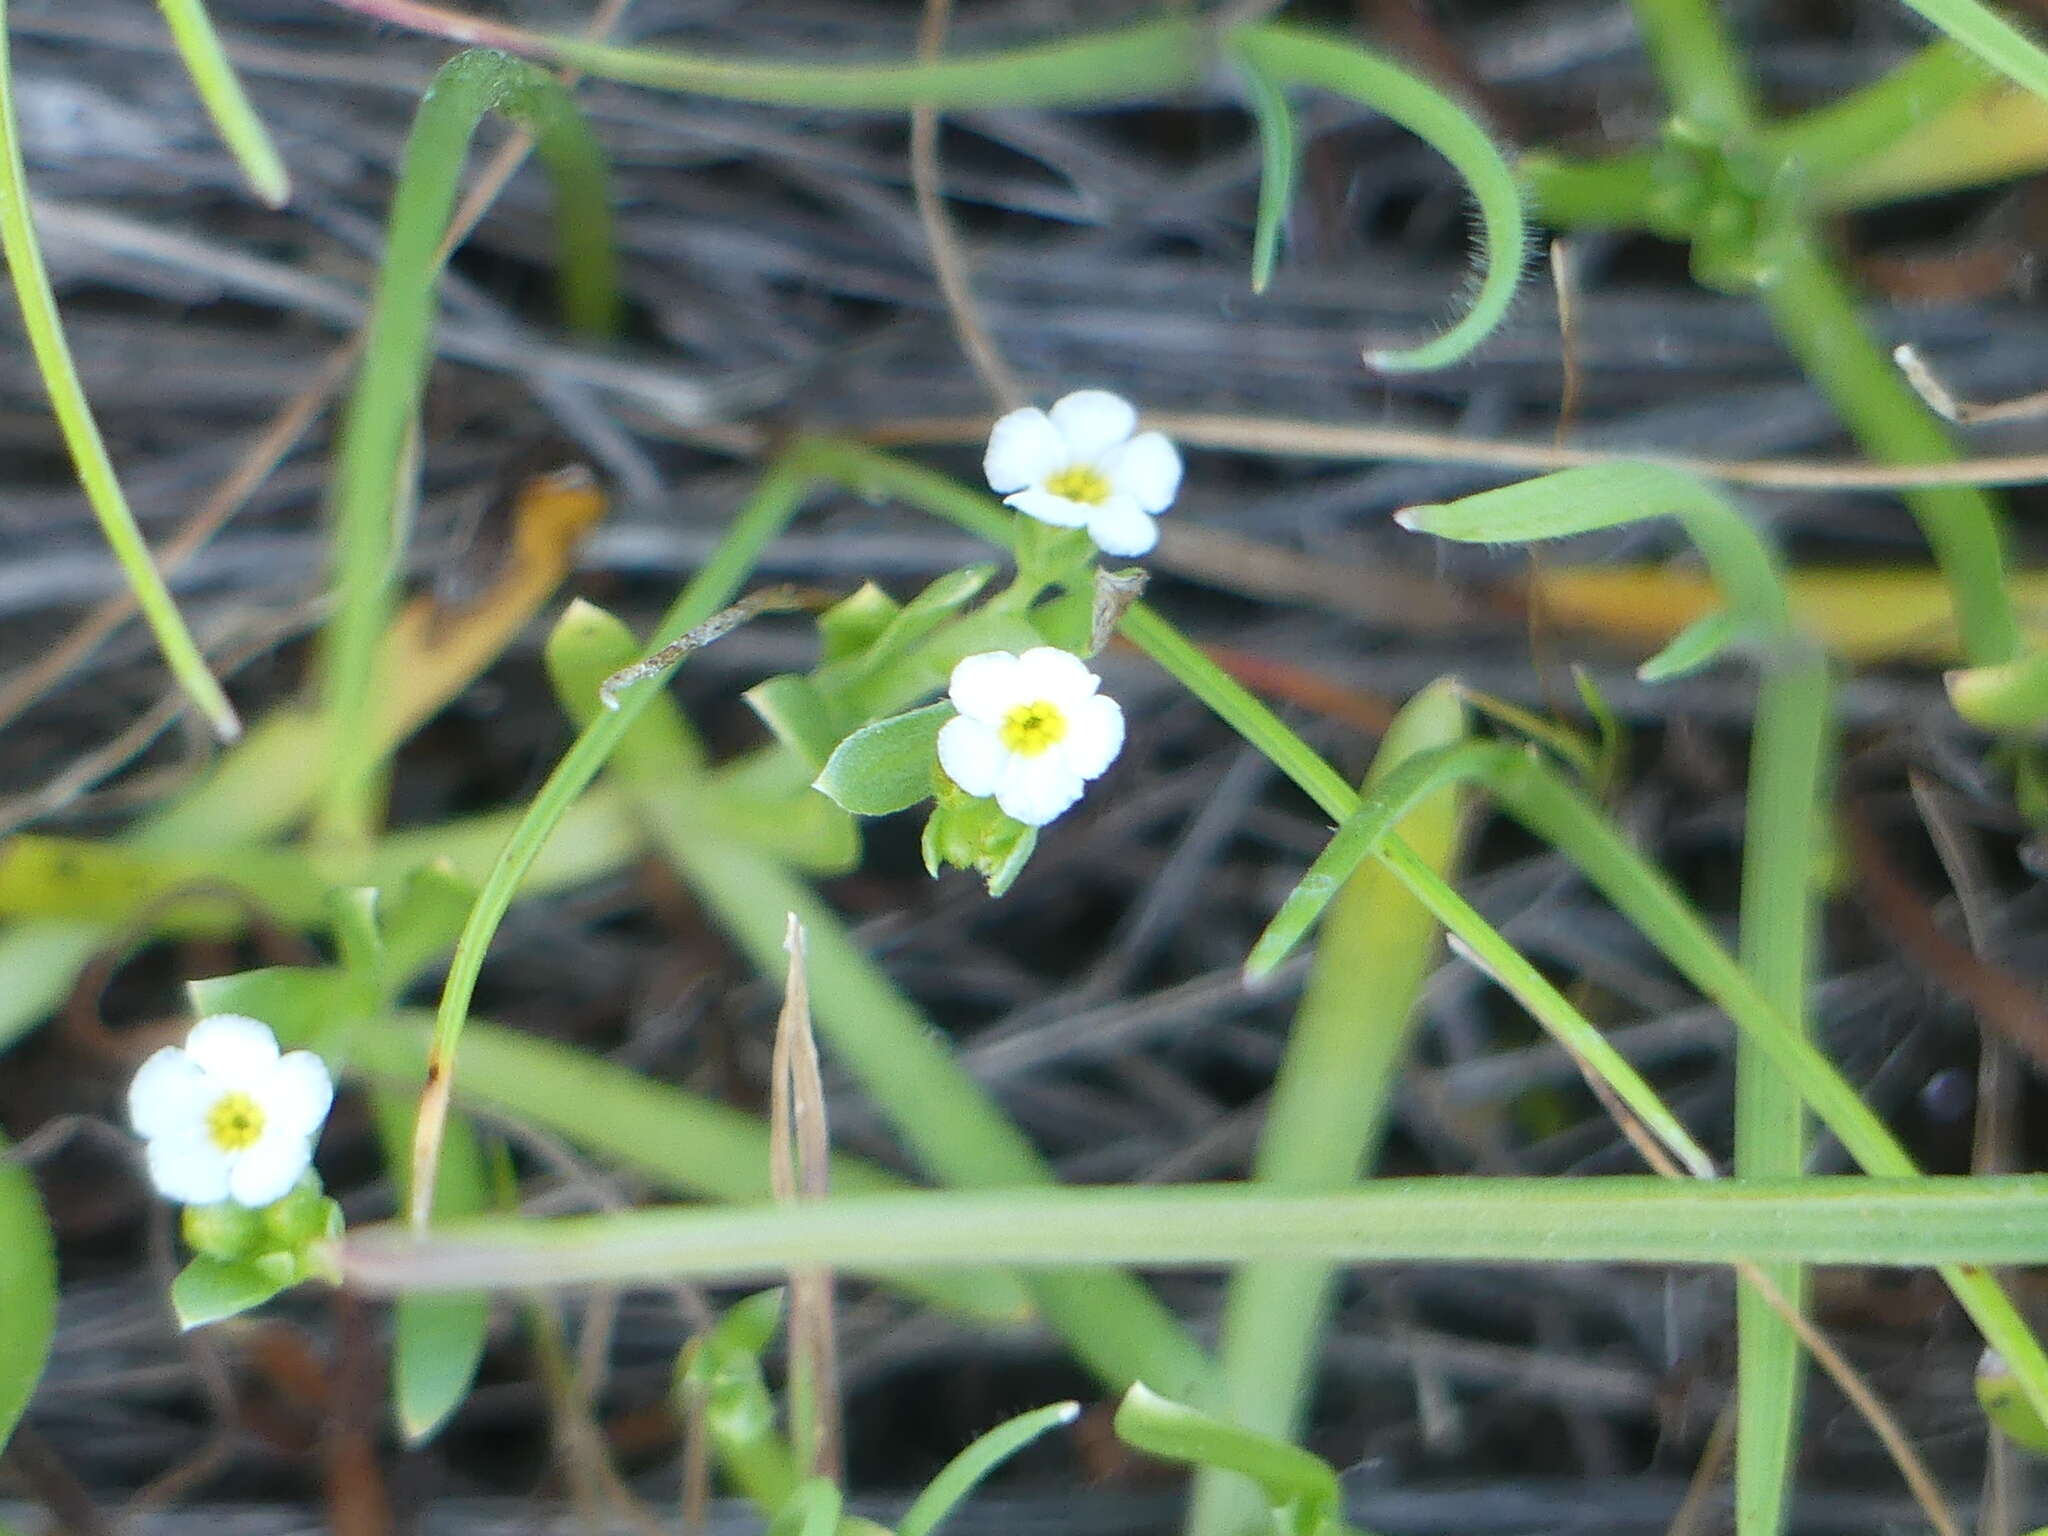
28 1281
352 914
1301 1488
799 716
719 1375
420 923
813 1510
438 1341
2009 696
1280 155
960 1476
208 1290
854 623
1701 643
302 1005
886 767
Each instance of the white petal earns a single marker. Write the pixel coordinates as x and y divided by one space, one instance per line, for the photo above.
1024 448
267 1171
1093 421
1120 527
297 1094
1059 677
188 1168
169 1095
1095 734
232 1048
985 687
1036 789
972 754
1034 501
1146 469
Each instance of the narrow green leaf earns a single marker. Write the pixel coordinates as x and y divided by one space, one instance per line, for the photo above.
719 1376
796 713
28 1279
1302 1489
1992 38
2009 696
855 622
220 91
1279 158
1620 1219
960 1476
24 257
383 408
886 767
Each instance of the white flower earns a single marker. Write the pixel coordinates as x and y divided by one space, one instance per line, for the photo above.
1078 466
1031 731
226 1117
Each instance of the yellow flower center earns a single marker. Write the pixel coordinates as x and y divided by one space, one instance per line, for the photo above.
235 1122
1079 482
1032 728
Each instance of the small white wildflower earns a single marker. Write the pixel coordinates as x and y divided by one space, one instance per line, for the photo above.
1031 731
225 1116
1079 466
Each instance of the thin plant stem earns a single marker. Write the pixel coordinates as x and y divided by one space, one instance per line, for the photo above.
1703 75
1817 319
81 432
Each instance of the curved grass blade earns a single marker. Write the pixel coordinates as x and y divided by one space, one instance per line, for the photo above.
1300 1489
81 432
960 1476
383 408
1304 58
220 92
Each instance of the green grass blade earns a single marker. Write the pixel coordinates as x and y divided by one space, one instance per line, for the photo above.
960 1476
1780 899
28 1279
81 432
1991 38
383 408
1617 1220
1279 160
1329 1105
1304 58
220 92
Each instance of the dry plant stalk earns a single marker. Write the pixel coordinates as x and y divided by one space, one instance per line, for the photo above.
799 1169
